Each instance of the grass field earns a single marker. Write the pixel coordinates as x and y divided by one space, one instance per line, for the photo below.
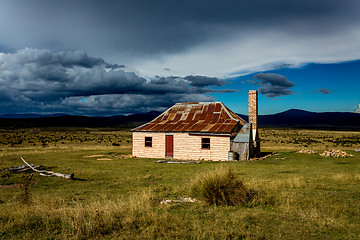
301 196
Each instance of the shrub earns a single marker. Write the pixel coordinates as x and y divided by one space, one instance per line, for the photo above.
25 195
220 187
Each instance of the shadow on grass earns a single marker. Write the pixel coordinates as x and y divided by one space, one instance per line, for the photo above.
79 179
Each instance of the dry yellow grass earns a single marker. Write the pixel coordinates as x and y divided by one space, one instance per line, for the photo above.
302 196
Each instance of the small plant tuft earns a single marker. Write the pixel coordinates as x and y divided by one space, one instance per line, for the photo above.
25 195
220 187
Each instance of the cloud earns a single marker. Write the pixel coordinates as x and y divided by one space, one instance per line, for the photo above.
357 109
38 80
273 85
203 81
105 104
324 91
212 38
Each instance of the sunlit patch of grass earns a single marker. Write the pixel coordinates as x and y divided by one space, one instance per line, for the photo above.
298 196
346 177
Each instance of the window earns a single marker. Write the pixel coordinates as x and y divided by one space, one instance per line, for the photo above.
148 141
205 143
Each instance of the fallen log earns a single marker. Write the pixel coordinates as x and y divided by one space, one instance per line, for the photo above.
49 173
16 168
27 168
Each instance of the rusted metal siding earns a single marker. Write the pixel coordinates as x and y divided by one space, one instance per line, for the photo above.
194 117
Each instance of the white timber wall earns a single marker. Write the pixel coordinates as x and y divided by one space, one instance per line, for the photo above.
187 147
158 145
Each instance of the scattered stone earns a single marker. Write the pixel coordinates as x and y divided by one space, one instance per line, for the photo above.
179 200
264 157
307 151
335 153
106 157
186 162
356 150
122 156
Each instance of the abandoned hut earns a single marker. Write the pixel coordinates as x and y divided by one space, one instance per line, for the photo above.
199 131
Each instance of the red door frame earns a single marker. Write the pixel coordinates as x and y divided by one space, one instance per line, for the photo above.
169 146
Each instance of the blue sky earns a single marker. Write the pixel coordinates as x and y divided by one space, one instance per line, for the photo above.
318 88
92 57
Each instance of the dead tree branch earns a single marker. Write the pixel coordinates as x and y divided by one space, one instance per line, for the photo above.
16 168
49 173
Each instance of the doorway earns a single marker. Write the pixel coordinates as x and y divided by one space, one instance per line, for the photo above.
169 143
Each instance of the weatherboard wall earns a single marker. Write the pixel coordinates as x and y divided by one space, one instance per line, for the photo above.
158 145
186 146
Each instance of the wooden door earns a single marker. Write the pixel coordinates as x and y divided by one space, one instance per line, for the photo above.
169 149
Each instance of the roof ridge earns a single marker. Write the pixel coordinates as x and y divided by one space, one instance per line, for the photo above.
183 103
231 116
228 113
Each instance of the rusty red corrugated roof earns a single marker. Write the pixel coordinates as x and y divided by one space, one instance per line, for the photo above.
213 117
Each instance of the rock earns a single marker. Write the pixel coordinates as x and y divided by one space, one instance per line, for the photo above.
307 151
335 153
179 200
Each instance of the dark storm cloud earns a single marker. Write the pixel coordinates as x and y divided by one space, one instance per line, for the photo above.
324 90
39 80
152 27
204 81
273 85
106 104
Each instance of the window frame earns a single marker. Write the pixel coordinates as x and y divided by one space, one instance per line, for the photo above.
205 143
148 142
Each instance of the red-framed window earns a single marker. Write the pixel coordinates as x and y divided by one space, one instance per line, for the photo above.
205 143
148 141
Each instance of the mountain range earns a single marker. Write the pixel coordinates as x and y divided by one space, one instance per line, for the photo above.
290 118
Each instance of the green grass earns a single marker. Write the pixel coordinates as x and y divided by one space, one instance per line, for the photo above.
307 196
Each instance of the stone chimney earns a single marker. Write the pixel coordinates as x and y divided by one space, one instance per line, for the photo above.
253 108
253 119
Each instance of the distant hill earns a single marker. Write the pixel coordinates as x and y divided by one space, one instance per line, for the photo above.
30 115
34 120
301 118
289 118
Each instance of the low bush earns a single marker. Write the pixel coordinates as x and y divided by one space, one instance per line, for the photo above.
25 194
221 187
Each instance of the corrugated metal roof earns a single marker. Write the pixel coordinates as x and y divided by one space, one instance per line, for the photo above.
194 117
244 135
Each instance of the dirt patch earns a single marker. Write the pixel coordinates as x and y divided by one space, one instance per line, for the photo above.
104 159
10 186
93 156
